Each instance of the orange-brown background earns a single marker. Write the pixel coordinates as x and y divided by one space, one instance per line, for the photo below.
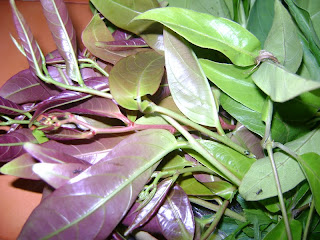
19 197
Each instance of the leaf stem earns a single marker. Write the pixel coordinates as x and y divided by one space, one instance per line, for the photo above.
309 220
269 147
94 65
200 149
216 220
223 139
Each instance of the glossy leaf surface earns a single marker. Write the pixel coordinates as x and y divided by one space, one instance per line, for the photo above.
283 40
208 31
26 87
280 84
136 76
217 8
310 163
99 197
188 86
259 182
176 217
28 42
21 167
63 33
20 136
236 82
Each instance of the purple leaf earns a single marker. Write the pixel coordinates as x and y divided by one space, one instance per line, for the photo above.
247 139
67 134
176 217
92 204
7 153
47 155
67 96
21 167
8 107
63 33
29 44
92 150
58 174
120 34
98 106
152 207
122 45
25 87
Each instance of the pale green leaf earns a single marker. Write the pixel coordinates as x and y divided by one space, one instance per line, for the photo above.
259 181
188 85
234 81
310 163
211 32
280 84
283 40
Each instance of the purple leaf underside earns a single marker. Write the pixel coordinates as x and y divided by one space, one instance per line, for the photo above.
8 107
122 45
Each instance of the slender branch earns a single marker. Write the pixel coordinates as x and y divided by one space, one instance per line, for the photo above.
200 149
280 196
94 65
215 208
216 220
223 139
309 220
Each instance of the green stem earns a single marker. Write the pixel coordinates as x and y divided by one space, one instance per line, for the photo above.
215 208
76 88
200 149
223 139
95 65
216 220
269 148
308 223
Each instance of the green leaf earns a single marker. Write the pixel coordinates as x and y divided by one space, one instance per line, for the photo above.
136 76
257 217
313 8
259 181
310 163
188 85
279 231
221 188
234 161
234 81
216 8
280 84
208 31
192 187
283 40
261 18
281 130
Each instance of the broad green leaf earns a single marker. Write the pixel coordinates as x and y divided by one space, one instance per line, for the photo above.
229 4
136 76
259 181
261 18
101 194
280 84
216 8
258 218
174 161
234 81
237 163
21 167
283 40
281 130
279 231
192 187
211 32
310 163
221 188
313 8
188 85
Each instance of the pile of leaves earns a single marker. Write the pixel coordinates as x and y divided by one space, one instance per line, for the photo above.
179 119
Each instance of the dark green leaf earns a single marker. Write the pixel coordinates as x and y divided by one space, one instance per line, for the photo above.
136 76
310 163
279 231
208 31
188 85
261 18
